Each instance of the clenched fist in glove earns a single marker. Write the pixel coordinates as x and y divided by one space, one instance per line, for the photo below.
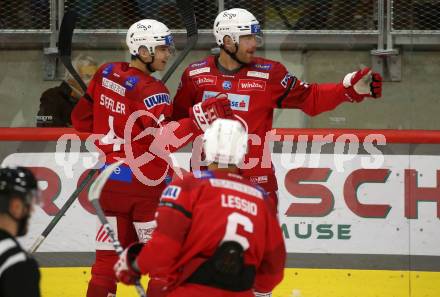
125 270
361 84
206 112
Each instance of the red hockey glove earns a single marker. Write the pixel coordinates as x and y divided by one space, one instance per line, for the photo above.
124 269
361 84
206 112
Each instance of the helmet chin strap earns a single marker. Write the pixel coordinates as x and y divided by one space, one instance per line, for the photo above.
233 55
147 64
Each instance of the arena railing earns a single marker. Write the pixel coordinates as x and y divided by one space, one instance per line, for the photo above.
391 135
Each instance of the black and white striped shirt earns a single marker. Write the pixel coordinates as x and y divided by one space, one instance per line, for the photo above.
19 273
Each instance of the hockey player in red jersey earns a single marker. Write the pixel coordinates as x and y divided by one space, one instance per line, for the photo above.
256 86
129 109
215 235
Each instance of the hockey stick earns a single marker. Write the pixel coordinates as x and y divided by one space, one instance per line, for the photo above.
186 9
65 48
62 211
65 53
282 16
94 194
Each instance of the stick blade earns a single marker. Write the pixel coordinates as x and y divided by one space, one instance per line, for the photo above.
66 32
96 188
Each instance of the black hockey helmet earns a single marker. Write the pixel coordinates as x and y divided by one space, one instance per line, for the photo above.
17 182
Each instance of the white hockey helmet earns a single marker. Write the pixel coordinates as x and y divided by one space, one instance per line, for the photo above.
236 22
148 33
225 142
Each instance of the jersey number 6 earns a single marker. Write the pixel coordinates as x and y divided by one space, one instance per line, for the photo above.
235 219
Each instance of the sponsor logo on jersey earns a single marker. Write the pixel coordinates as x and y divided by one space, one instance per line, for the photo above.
227 85
238 102
284 82
198 64
157 99
115 87
171 192
258 74
131 82
238 186
107 70
205 80
251 84
203 174
265 67
200 70
121 173
259 179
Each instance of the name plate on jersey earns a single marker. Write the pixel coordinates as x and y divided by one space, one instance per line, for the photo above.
238 102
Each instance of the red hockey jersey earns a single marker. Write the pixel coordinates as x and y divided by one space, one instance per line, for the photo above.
126 103
201 210
254 92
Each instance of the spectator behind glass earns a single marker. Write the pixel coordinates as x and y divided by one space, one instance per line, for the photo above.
56 104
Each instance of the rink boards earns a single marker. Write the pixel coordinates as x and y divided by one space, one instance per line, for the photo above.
72 282
356 223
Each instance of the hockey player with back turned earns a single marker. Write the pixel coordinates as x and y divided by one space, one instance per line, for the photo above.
19 273
127 102
256 86
216 235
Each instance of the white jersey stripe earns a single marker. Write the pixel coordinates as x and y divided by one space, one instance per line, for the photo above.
20 257
6 244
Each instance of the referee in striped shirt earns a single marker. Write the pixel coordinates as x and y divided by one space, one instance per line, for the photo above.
19 273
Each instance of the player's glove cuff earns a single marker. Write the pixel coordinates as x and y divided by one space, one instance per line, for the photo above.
206 112
199 117
125 271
